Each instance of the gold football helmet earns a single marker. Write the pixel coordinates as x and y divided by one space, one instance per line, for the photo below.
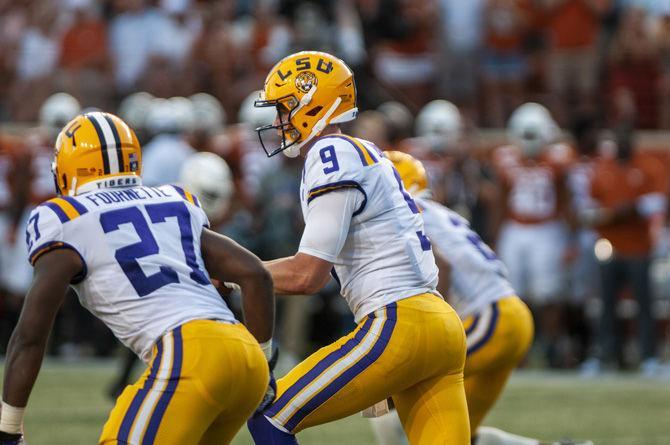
411 171
95 150
310 90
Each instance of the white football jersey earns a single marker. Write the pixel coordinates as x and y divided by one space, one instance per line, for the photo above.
386 256
143 271
478 278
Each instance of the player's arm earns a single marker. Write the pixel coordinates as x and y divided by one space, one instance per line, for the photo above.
53 272
326 228
228 261
300 274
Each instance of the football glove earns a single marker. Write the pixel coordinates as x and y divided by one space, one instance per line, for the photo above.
10 439
268 398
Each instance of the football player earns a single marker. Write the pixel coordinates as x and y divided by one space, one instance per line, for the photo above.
140 259
498 325
362 226
532 240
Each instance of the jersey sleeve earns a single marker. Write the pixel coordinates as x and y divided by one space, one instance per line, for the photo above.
321 238
338 162
44 233
197 209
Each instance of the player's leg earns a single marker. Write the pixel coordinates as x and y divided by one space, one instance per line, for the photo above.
408 342
435 411
548 287
513 250
200 370
499 337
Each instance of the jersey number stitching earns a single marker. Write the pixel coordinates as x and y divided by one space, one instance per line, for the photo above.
328 157
127 256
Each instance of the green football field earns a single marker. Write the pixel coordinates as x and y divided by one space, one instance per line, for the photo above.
69 407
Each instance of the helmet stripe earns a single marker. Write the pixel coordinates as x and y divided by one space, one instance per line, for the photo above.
110 144
103 142
117 142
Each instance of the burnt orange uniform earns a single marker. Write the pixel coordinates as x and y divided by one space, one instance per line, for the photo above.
532 238
622 183
533 188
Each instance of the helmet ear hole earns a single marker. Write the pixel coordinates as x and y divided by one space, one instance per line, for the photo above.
314 111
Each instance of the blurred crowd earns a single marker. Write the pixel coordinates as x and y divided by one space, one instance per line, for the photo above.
487 56
573 202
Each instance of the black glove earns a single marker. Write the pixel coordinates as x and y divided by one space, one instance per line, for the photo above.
10 439
268 398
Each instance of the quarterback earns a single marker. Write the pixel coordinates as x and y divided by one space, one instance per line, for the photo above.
140 259
362 227
498 325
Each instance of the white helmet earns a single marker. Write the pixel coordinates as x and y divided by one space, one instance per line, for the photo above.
134 109
208 177
253 116
209 115
440 123
58 110
532 128
398 116
174 115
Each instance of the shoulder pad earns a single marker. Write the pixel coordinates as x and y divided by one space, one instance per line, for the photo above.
186 195
66 208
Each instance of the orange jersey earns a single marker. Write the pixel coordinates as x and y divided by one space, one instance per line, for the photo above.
618 183
533 188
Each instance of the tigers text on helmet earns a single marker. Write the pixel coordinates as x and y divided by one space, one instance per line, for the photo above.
411 171
310 90
96 150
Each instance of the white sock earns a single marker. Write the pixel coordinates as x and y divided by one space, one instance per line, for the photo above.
388 429
493 436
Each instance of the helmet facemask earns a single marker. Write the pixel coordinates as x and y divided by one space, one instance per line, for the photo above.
283 135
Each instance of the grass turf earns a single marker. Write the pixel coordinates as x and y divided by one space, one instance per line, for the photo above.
69 406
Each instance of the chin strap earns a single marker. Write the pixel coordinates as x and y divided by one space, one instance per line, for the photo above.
316 130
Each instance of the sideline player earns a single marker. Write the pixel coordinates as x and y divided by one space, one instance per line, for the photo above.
533 237
136 257
362 225
498 325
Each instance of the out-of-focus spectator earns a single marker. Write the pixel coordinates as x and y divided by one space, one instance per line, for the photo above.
84 56
573 28
662 38
405 56
36 59
629 195
461 37
503 67
634 67
134 38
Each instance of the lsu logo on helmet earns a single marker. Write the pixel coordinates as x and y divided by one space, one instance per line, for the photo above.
95 150
310 90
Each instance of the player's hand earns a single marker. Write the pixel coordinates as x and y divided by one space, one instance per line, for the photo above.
10 439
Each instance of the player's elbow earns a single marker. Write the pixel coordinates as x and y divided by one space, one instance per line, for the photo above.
309 284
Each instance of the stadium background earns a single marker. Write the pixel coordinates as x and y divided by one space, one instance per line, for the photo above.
602 64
